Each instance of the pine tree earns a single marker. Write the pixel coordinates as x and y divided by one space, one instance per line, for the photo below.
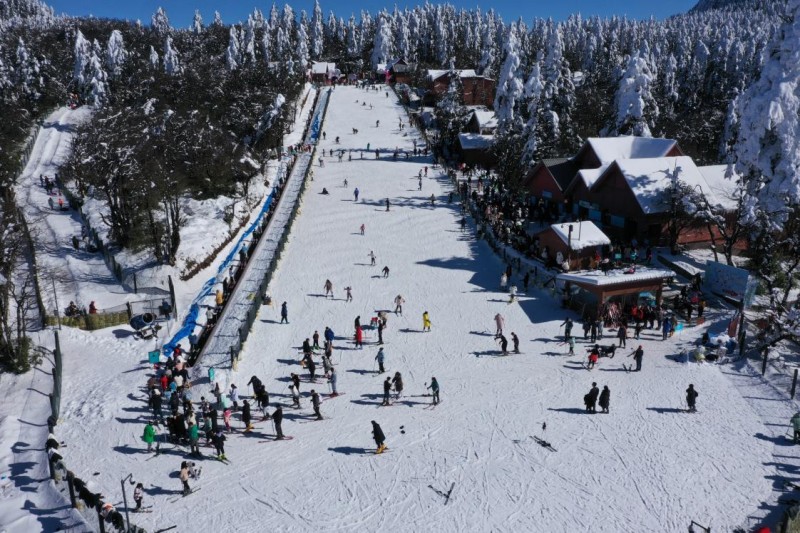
636 109
383 46
159 22
116 55
197 23
27 72
317 32
82 52
217 20
509 86
172 64
232 55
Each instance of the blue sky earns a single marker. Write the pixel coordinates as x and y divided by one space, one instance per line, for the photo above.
181 12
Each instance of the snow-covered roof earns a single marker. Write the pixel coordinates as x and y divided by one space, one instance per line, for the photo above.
648 177
609 149
584 234
590 175
475 141
463 73
319 67
615 277
721 190
486 119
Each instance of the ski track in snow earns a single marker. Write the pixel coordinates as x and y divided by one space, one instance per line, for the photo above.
643 467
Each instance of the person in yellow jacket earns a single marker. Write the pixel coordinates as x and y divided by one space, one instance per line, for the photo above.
426 322
220 299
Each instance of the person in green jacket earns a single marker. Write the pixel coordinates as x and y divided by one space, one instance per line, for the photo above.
194 436
149 436
796 425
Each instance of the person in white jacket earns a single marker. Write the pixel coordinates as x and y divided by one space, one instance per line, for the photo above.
234 396
295 395
398 305
503 281
501 322
138 496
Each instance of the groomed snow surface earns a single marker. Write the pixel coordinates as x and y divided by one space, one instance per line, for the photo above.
646 466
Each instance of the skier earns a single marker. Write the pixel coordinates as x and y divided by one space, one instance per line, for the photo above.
246 416
426 322
387 204
638 354
312 368
355 194
328 288
398 384
525 281
515 341
591 398
512 294
605 396
398 305
387 388
419 185
332 380
362 229
138 496
359 338
503 343
380 358
184 476
433 200
594 355
691 398
567 329
234 396
284 313
385 271
426 171
255 382
194 437
295 395
277 419
377 434
434 387
500 322
219 444
380 331
327 366
315 403
329 336
149 436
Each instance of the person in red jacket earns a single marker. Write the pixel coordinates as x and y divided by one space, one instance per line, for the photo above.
359 337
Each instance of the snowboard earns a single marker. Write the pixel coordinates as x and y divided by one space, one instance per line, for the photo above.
331 397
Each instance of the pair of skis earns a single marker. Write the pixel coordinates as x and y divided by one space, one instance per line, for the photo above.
544 444
442 494
173 500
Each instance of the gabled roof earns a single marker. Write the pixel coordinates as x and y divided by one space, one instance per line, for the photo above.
609 149
721 189
562 169
486 119
319 67
584 234
463 73
648 178
474 141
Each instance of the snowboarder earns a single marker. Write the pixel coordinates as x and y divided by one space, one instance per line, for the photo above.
691 398
277 419
500 322
426 321
515 342
284 313
380 358
149 436
398 384
355 194
246 419
315 403
138 496
385 271
219 444
380 438
398 305
387 389
605 397
638 354
567 329
434 387
328 288
184 476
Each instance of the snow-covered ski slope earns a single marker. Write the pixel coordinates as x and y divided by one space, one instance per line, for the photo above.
73 274
646 466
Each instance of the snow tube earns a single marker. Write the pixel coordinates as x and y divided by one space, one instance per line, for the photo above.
142 321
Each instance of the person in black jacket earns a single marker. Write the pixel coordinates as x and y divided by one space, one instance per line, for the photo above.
691 398
315 403
591 398
256 383
377 434
277 418
387 389
246 415
284 313
605 397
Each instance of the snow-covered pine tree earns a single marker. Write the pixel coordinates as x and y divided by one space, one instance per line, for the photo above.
232 54
450 112
317 32
197 23
636 109
27 72
82 50
383 46
159 22
218 20
153 59
172 63
510 85
301 52
98 81
353 41
116 54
